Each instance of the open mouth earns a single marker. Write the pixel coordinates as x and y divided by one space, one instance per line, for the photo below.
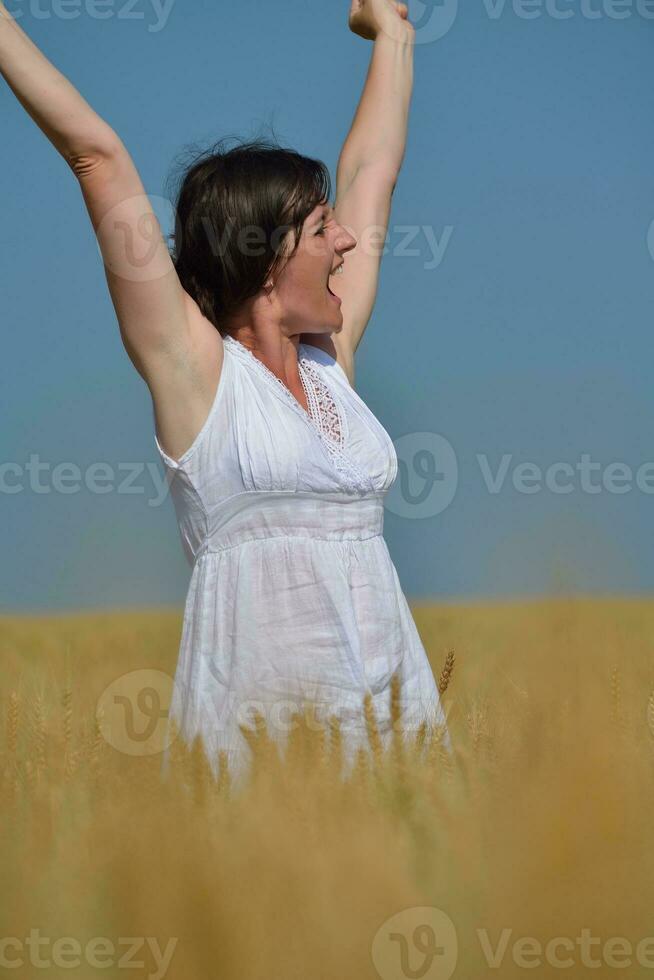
333 295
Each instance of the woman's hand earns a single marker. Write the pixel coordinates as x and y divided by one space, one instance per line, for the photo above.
369 18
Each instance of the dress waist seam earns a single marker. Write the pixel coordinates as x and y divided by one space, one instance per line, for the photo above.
204 551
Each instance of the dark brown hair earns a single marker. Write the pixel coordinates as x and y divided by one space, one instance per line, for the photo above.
232 210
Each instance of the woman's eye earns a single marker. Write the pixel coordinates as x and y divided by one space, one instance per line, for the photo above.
321 231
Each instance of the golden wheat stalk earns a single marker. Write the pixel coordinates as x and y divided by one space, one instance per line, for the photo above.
261 746
31 777
360 770
9 782
14 779
38 736
336 741
421 735
317 739
67 716
617 713
615 692
417 745
476 719
176 746
396 713
372 729
13 717
71 764
94 750
224 775
434 739
324 757
249 734
303 742
446 762
650 714
446 672
200 770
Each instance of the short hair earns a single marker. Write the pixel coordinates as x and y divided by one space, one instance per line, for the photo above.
228 197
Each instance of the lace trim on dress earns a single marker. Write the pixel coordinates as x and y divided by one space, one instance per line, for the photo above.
325 413
322 407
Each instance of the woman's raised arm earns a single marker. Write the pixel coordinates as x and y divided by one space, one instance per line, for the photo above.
54 104
370 160
174 348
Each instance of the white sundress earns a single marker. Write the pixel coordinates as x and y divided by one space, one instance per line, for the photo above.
293 595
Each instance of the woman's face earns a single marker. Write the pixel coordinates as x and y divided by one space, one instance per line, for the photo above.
302 287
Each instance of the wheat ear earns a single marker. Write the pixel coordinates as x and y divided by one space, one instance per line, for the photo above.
446 672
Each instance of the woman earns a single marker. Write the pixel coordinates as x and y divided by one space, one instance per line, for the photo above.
246 338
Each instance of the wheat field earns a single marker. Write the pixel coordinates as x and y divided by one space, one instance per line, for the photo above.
527 849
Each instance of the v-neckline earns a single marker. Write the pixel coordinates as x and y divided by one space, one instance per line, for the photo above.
297 405
339 456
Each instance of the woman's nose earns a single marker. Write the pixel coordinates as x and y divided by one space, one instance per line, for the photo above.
345 241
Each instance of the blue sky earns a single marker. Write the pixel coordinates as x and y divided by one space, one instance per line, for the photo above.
527 340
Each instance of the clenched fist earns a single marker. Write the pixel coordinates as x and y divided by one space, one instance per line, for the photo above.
369 18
